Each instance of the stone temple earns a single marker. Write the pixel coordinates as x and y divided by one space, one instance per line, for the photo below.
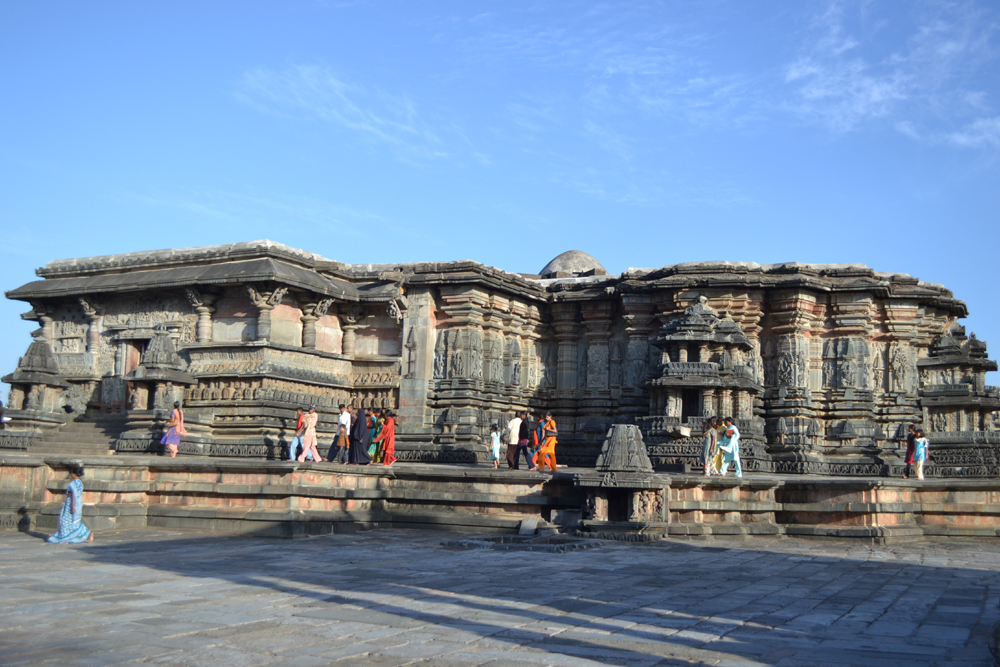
823 366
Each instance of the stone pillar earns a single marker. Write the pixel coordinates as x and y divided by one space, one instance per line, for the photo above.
707 402
597 319
203 330
308 330
350 315
671 407
264 321
350 339
418 328
308 319
703 353
265 302
682 353
202 304
44 321
726 404
564 322
93 327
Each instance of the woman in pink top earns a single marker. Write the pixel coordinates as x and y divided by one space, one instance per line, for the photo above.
309 437
175 429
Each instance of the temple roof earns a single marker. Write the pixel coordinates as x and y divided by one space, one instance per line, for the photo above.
571 264
220 273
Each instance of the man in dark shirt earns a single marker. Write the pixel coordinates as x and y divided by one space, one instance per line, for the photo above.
523 440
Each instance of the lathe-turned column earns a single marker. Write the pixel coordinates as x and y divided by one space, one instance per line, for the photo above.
726 403
265 302
564 322
708 403
350 317
202 304
93 327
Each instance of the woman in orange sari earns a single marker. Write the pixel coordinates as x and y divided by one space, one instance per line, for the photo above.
387 438
547 452
175 429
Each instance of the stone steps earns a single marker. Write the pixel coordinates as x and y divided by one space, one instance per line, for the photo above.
85 438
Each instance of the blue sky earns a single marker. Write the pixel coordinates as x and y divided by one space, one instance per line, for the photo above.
644 133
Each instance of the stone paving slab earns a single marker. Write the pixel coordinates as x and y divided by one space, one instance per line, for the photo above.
397 598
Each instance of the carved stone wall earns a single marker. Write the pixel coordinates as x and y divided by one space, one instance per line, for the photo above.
841 357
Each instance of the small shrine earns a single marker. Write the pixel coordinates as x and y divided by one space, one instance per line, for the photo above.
625 499
36 388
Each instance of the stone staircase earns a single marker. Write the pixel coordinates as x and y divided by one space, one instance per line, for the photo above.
82 438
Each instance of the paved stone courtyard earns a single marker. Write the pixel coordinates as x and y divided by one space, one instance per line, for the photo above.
401 598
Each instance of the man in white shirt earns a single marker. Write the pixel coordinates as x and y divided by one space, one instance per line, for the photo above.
340 440
513 432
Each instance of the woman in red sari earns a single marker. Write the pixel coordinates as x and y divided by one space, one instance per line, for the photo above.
387 438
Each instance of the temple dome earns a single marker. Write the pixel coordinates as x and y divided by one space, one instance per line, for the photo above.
571 264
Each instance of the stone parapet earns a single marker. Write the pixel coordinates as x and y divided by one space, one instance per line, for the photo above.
288 499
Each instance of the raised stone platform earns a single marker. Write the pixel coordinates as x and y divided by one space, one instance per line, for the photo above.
291 499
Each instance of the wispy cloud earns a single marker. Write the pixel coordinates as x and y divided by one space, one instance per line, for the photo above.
247 210
314 92
844 79
981 133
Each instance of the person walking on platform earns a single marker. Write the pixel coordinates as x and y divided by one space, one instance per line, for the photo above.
293 448
513 436
547 436
524 442
495 446
920 444
377 423
71 528
341 441
309 422
911 439
358 453
175 429
730 447
386 439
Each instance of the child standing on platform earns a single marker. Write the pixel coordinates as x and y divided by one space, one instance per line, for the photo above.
495 445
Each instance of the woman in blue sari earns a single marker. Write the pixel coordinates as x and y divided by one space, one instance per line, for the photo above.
71 528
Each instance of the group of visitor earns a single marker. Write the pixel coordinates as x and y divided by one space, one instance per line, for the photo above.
536 443
720 447
362 439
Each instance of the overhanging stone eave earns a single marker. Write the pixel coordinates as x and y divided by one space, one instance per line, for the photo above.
519 287
185 257
225 273
30 377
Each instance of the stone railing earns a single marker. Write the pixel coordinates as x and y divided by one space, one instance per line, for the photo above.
690 368
963 437
960 389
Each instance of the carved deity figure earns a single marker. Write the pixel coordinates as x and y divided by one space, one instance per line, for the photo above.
848 373
439 365
939 422
496 363
476 356
899 363
458 365
515 374
786 370
829 373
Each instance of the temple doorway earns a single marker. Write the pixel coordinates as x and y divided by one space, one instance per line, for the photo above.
689 404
